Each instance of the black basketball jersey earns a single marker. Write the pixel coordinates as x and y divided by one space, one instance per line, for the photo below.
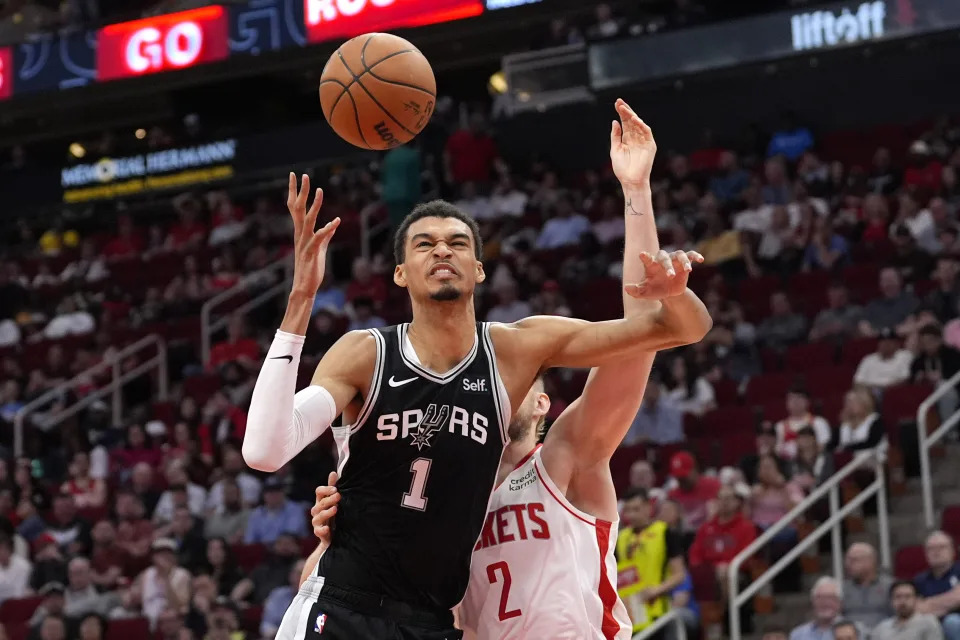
416 472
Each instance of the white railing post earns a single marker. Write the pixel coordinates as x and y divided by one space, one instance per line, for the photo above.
925 441
836 541
670 617
883 517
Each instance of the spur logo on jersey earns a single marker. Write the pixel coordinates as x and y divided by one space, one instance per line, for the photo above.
420 427
513 522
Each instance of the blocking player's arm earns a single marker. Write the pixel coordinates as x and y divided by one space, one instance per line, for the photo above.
281 423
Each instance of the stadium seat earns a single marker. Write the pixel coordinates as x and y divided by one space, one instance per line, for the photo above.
730 419
128 629
201 387
900 403
831 380
250 619
853 351
623 458
248 556
950 521
803 357
19 609
726 392
909 561
770 386
17 630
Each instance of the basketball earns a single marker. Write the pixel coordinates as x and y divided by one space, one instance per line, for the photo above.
377 91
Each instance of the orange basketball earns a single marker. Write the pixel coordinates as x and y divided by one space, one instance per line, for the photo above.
377 91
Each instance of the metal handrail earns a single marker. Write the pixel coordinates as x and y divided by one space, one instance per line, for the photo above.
925 442
832 524
114 388
672 616
208 328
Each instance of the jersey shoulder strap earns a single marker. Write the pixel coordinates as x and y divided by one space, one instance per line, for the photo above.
373 391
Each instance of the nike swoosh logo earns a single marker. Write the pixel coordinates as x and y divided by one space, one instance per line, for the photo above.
399 383
287 358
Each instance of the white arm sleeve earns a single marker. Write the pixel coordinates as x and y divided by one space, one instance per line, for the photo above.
280 423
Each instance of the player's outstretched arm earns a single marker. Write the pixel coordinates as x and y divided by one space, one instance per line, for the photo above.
280 424
591 428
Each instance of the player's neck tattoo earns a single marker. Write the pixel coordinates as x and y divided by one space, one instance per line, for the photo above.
630 210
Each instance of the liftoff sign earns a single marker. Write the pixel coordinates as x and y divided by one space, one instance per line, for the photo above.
326 19
164 43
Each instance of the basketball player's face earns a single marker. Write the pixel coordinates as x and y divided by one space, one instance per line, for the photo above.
439 262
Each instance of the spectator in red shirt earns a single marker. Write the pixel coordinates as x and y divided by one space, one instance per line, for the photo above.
188 233
924 171
366 284
237 347
723 536
695 494
126 243
109 560
470 153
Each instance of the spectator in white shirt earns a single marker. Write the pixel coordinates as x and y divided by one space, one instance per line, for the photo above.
14 571
234 468
507 200
888 366
861 427
689 391
799 417
477 206
610 227
919 222
564 228
509 308
9 333
181 493
69 321
90 267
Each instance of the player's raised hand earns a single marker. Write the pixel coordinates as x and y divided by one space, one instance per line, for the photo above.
665 274
632 148
325 508
310 245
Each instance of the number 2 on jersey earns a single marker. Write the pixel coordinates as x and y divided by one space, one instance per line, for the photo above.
504 569
414 499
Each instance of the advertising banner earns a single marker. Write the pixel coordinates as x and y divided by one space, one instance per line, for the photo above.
328 19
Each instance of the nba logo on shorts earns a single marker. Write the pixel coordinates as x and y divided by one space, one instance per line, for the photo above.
318 625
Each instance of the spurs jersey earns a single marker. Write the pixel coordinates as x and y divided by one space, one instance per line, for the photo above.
416 471
542 569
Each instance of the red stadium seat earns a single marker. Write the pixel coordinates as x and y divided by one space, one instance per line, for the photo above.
248 556
950 521
17 630
803 357
726 391
128 629
854 351
250 620
729 419
769 386
201 387
19 609
909 561
900 403
623 458
826 381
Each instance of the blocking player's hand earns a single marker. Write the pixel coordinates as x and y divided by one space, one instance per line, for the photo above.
324 510
665 274
310 245
632 148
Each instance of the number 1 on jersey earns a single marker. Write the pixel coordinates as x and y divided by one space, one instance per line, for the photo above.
414 499
505 592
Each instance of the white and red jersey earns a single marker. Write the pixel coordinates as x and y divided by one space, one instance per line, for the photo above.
542 569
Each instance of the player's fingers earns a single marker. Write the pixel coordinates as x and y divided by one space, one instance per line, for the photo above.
333 477
315 208
695 256
304 193
325 234
663 259
325 490
681 261
616 134
323 533
647 259
634 290
292 200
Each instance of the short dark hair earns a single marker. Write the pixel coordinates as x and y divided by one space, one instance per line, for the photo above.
636 492
902 583
839 624
434 209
